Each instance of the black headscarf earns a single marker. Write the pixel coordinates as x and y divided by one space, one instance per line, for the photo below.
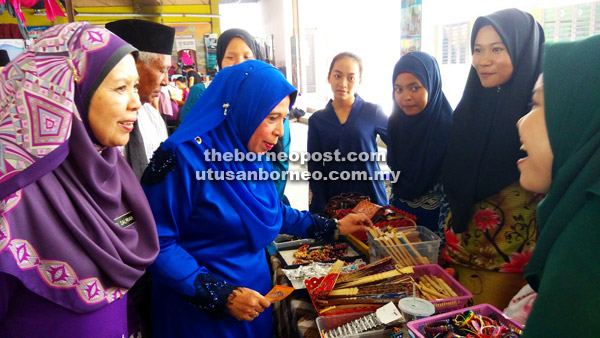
229 34
484 143
418 143
4 58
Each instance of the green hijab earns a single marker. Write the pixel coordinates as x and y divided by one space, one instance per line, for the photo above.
572 105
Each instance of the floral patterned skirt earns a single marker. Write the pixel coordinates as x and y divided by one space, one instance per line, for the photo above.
490 257
501 233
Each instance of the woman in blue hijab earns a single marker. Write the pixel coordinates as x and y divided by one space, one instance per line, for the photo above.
213 220
418 131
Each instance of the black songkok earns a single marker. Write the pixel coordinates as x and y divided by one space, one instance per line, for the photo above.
146 36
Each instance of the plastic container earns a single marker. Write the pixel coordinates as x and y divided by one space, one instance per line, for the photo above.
446 304
428 246
441 305
415 308
416 326
314 282
326 323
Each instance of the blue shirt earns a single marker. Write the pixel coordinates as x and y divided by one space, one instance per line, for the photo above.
359 134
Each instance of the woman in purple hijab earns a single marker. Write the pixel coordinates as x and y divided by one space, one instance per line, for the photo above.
76 230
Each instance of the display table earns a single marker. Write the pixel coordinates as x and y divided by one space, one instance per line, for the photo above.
295 316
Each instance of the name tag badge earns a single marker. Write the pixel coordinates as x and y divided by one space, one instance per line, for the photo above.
125 220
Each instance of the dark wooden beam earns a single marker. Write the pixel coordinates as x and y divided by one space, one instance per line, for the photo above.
69 8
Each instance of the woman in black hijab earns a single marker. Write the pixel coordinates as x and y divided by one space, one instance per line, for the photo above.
492 226
252 51
418 132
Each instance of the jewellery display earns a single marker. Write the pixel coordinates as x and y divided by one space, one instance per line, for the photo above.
469 324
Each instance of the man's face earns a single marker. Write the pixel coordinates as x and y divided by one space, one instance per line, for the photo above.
153 76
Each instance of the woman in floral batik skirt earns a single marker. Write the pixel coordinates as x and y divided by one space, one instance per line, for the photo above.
492 227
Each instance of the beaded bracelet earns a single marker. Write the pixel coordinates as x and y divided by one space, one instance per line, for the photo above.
469 325
467 316
436 327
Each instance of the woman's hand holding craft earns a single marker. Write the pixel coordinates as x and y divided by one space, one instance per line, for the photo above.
354 222
246 304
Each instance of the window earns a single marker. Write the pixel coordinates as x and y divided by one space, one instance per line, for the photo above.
571 22
455 43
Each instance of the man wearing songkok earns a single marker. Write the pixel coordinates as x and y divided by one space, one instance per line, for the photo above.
155 43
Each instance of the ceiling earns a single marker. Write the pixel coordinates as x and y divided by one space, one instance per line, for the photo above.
126 3
236 1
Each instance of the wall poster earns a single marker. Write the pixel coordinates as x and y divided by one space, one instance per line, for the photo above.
189 44
411 25
210 43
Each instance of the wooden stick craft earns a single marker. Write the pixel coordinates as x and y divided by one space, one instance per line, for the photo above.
357 301
446 287
388 247
385 263
370 290
432 287
402 256
404 240
402 248
395 242
373 278
376 236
